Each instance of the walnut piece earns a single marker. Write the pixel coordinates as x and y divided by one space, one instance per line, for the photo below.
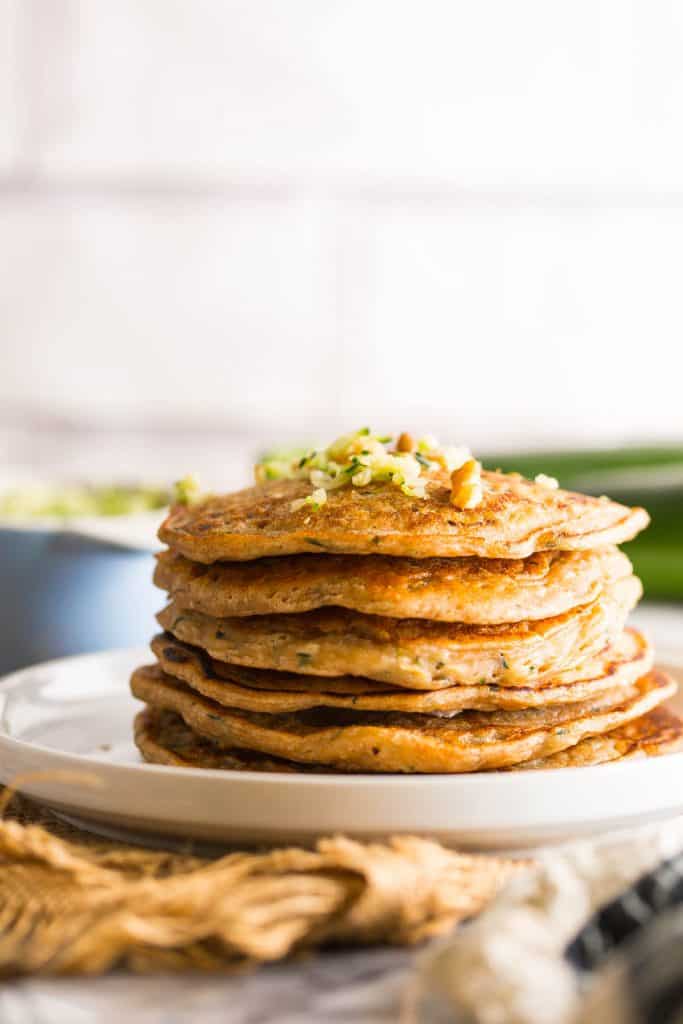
405 443
466 489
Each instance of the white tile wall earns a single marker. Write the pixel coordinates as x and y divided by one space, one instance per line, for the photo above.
180 89
521 323
466 216
186 310
494 321
575 94
10 98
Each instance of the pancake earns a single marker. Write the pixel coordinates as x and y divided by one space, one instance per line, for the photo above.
163 738
658 732
270 692
515 518
472 590
413 653
395 742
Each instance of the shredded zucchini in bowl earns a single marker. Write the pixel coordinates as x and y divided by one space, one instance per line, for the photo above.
72 501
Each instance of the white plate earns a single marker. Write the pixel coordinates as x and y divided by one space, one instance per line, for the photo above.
76 715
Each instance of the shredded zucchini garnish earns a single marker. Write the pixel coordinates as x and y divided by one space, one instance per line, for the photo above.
186 491
315 500
359 459
546 481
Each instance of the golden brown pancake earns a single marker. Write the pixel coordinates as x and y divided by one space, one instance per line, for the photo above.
395 742
472 590
515 518
658 732
413 653
253 689
163 738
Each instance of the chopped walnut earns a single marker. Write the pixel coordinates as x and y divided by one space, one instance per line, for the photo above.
466 489
405 443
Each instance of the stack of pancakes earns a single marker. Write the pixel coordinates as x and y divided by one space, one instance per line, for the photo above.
386 632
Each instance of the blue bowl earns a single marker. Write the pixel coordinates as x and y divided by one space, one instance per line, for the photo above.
65 593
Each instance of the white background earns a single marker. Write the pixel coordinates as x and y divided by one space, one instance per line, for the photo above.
230 218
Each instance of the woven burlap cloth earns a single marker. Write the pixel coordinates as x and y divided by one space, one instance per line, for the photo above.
73 904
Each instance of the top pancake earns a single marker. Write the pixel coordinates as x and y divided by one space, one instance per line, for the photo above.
516 517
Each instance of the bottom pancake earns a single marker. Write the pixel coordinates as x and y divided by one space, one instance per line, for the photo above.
396 742
163 738
658 732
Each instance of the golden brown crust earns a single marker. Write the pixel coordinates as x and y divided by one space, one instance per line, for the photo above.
413 653
279 692
472 590
658 732
367 741
163 738
515 518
